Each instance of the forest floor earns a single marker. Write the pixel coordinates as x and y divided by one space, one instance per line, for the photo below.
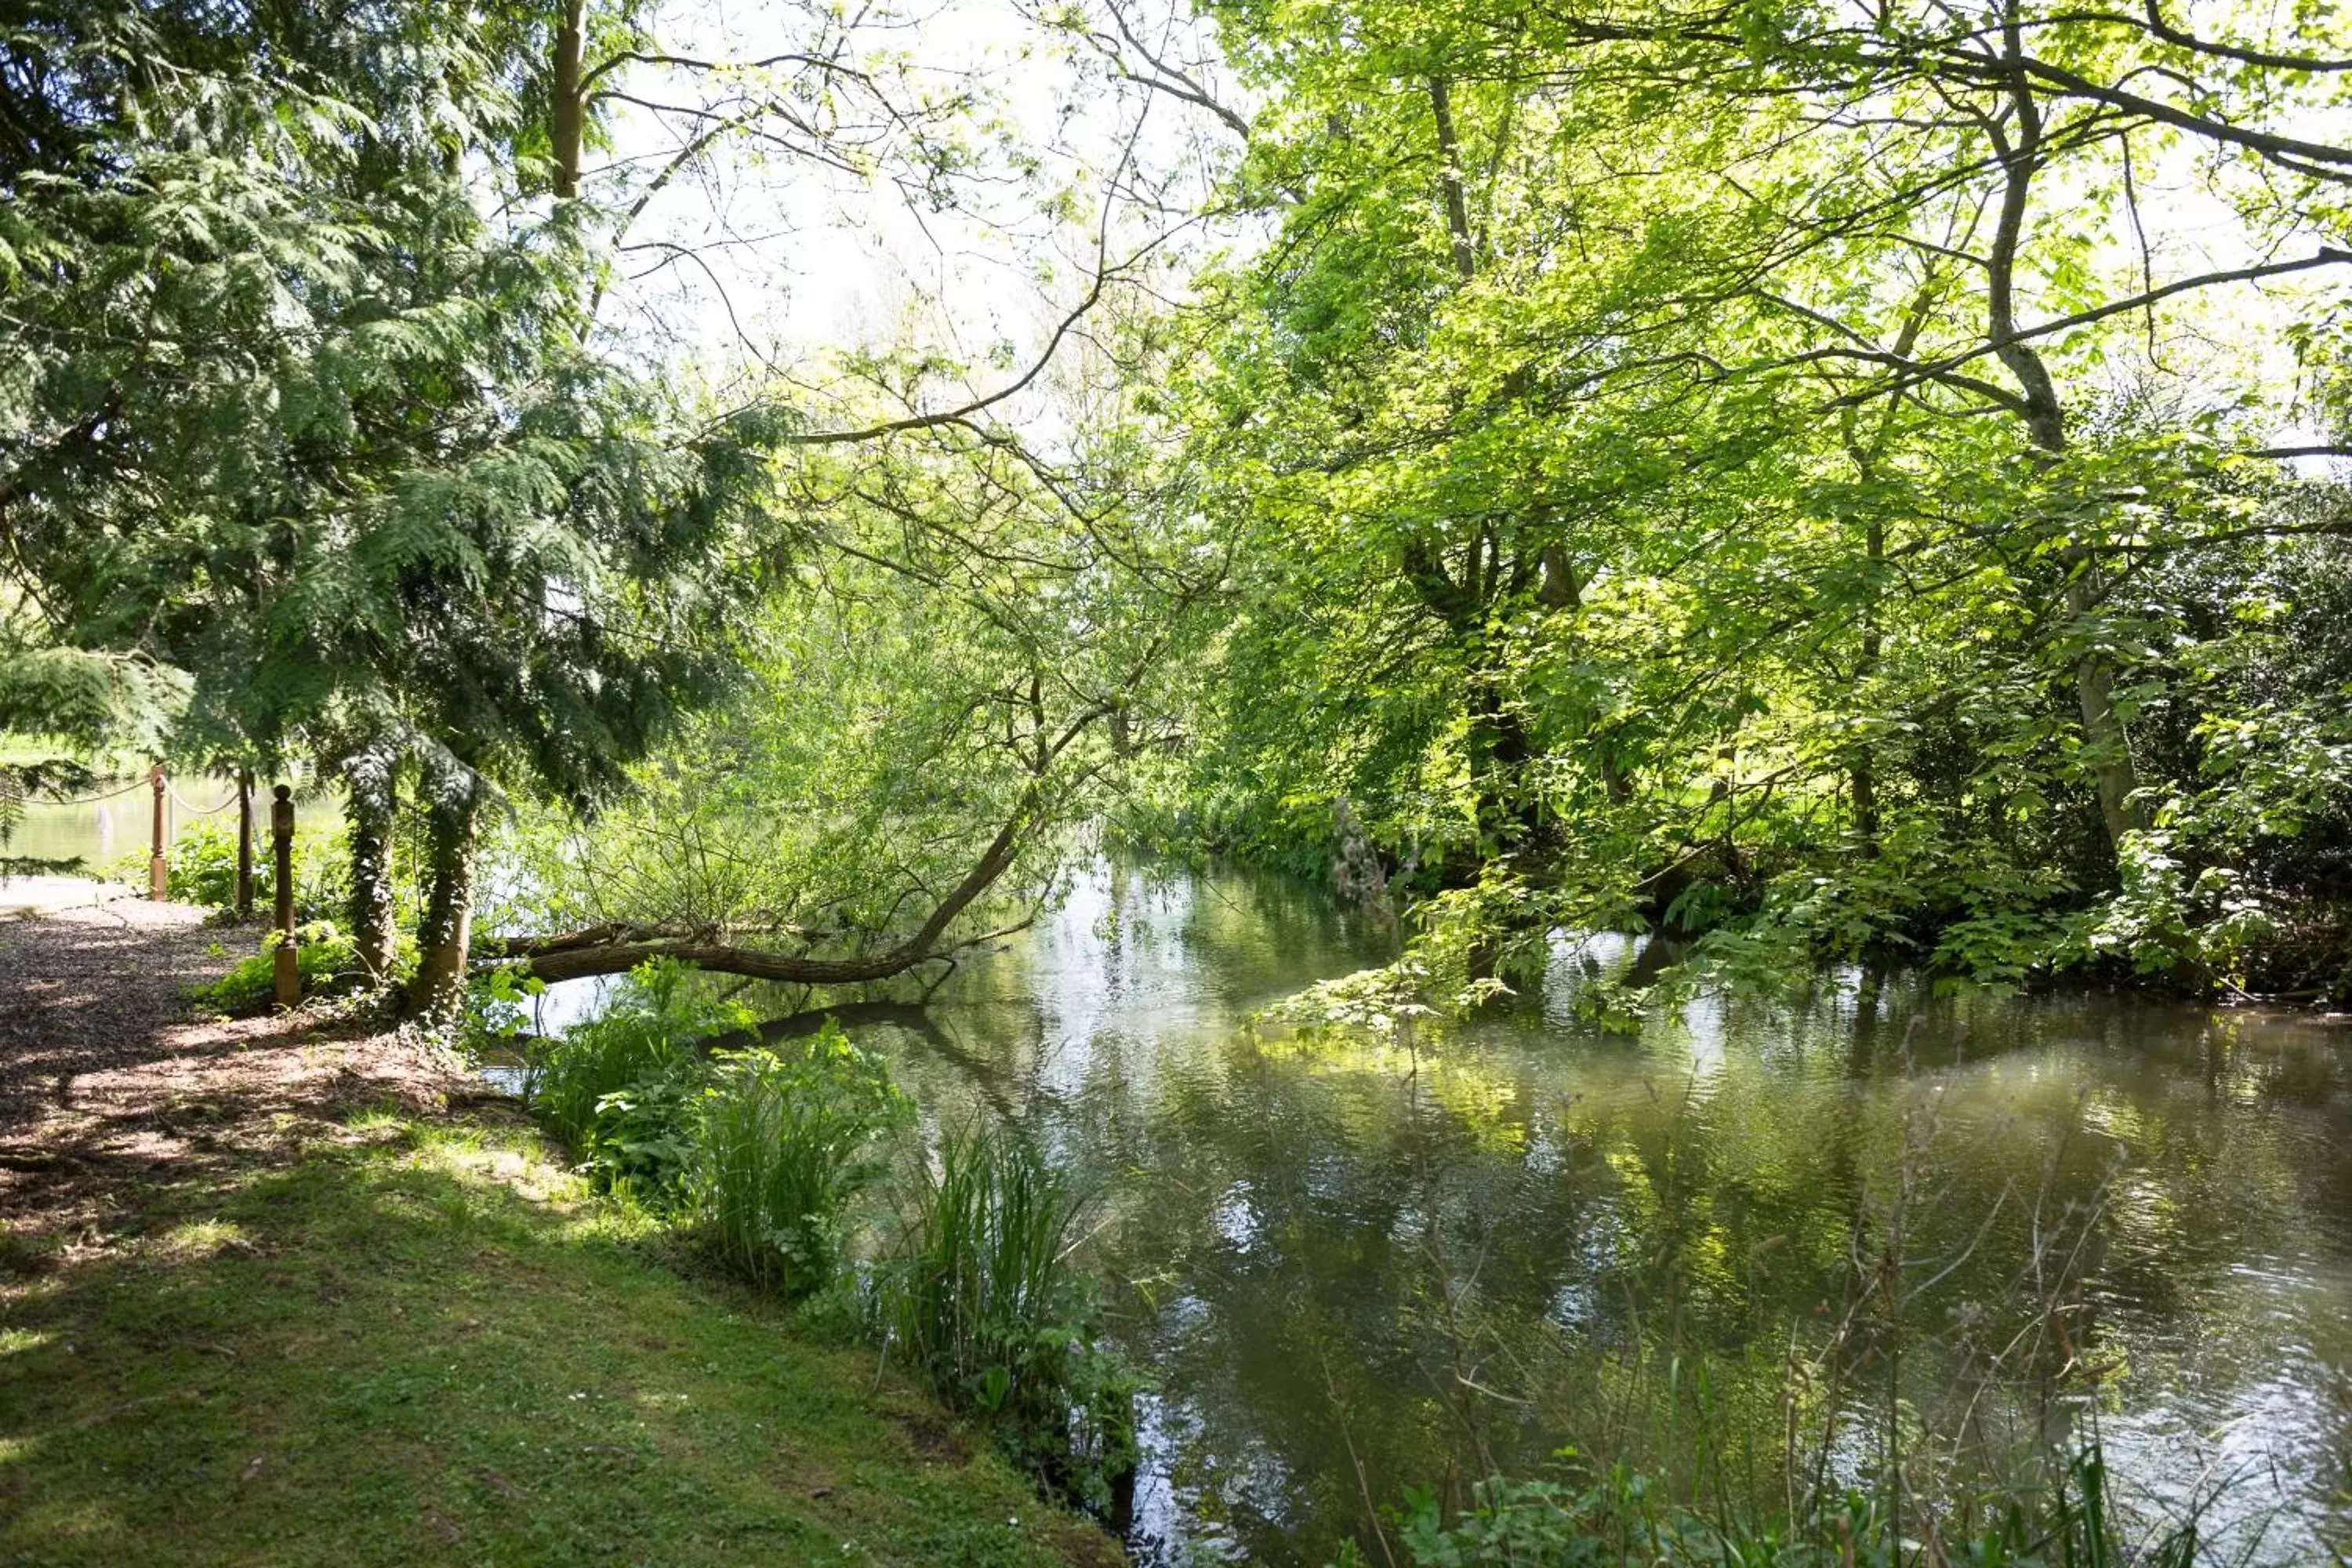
277 1292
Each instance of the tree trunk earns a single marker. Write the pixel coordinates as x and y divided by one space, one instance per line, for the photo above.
1864 771
2020 155
1510 812
1862 775
371 785
616 950
567 122
2094 684
439 989
1450 181
245 844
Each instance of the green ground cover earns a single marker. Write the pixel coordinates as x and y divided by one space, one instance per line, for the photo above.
428 1342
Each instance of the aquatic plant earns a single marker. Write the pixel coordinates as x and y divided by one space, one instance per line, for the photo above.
779 1144
1612 1515
984 1301
618 1087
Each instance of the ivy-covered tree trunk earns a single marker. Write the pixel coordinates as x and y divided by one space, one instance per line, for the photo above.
371 779
439 988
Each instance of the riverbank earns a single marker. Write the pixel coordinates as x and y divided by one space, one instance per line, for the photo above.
271 1293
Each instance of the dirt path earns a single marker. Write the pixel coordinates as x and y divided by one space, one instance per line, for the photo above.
109 1083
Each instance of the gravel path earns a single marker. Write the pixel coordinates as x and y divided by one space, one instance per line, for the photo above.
109 1082
91 989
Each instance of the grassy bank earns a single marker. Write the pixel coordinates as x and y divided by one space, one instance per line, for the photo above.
424 1341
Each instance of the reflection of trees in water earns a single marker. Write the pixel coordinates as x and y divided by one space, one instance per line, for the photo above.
1358 1266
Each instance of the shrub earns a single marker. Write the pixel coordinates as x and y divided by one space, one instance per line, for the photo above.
982 1300
201 867
781 1142
619 1086
498 1009
323 956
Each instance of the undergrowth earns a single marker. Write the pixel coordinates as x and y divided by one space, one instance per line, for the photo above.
620 1087
980 1299
200 867
760 1157
324 957
778 1144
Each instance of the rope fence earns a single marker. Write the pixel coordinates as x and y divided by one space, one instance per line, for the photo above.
167 826
88 799
202 810
135 785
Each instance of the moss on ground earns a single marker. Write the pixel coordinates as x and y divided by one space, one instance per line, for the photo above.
425 1342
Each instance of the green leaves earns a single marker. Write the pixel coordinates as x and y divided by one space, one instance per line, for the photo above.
779 1142
1709 554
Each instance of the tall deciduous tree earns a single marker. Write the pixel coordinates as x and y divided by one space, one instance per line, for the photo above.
1674 450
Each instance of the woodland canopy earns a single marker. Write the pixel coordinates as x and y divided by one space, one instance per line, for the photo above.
1819 480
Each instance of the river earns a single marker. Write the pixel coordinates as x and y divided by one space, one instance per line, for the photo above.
1354 1266
111 824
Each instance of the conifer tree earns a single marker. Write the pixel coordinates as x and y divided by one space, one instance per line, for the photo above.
301 409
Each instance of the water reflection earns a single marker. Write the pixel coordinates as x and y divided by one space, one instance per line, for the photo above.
1355 1266
1360 1266
113 822
114 818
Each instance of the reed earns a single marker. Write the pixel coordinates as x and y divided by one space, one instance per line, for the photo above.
781 1144
984 1301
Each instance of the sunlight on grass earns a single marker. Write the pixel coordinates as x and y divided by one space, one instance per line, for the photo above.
516 1160
200 1238
378 1118
420 1340
510 1376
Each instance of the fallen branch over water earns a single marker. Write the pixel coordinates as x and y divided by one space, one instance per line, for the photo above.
616 950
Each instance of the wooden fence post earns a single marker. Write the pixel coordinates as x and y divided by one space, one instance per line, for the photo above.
289 970
158 871
245 844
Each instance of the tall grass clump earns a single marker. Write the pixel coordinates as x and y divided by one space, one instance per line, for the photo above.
780 1143
621 1087
982 1300
755 1154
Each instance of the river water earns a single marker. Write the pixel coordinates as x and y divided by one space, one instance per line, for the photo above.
1353 1266
112 824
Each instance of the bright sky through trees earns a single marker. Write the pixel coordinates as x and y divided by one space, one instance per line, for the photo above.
986 166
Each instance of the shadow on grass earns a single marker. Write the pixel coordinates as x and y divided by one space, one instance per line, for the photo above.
431 1346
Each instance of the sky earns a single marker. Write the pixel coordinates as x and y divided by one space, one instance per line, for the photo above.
773 255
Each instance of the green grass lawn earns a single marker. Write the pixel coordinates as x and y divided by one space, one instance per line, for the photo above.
430 1344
